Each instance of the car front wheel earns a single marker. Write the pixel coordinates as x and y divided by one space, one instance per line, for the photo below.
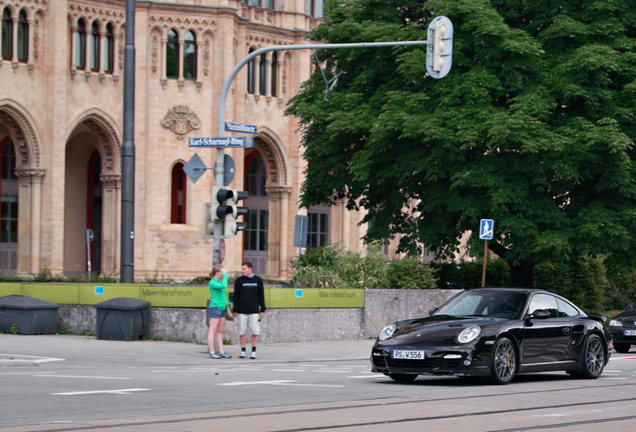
592 358
503 362
622 347
402 377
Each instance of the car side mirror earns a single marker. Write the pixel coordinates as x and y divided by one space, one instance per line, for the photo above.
433 311
539 314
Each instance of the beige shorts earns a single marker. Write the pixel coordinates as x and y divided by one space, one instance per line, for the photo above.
244 321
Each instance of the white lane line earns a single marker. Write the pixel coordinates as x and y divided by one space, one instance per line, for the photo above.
366 376
611 378
551 415
23 373
78 376
37 359
289 370
278 383
333 371
239 383
117 392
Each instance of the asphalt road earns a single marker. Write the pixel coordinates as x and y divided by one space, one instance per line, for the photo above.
72 383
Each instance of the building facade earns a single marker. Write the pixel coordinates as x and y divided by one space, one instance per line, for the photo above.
61 122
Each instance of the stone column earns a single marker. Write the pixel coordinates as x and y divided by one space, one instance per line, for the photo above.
284 224
26 218
199 59
268 81
36 218
111 186
102 74
89 52
257 79
73 50
30 56
279 75
278 198
115 56
14 59
180 81
164 47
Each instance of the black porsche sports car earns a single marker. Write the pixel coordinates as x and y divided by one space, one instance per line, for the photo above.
495 333
623 329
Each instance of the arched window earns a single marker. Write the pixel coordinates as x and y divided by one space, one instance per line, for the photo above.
23 37
178 195
256 176
172 55
80 45
274 72
7 34
190 56
95 46
262 82
251 74
314 8
109 49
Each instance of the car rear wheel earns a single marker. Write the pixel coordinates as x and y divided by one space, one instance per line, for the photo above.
503 362
622 347
593 358
402 377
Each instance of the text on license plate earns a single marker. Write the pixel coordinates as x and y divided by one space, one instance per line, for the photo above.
408 354
629 332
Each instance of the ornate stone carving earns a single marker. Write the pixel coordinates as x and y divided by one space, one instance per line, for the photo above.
30 175
257 14
245 13
36 38
8 115
104 131
182 23
110 180
181 120
120 50
270 16
206 57
154 52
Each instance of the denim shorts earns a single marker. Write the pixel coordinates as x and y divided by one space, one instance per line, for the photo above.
215 312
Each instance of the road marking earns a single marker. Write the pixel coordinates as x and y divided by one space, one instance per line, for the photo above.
77 376
37 359
277 383
612 378
289 370
22 373
551 415
117 392
333 371
365 376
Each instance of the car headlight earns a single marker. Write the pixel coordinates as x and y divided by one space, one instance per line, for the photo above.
387 332
615 323
468 335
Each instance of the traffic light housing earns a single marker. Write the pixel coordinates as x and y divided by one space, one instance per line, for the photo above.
224 208
207 229
439 53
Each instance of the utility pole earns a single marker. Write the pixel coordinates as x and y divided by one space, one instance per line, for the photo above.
127 265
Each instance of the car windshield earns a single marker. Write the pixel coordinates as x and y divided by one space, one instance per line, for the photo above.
500 304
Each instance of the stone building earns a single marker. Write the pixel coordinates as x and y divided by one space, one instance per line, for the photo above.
61 119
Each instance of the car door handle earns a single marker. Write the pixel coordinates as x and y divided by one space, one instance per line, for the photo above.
566 330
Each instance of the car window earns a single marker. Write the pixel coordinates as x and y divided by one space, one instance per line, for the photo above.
500 304
566 309
545 302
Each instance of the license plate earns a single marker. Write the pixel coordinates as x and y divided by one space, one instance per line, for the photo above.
408 354
629 332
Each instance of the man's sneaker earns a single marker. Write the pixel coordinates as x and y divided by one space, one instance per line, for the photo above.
243 354
253 355
215 356
223 355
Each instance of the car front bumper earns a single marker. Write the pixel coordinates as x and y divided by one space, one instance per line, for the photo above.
469 363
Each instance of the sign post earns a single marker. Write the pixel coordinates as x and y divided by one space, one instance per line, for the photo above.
486 229
89 235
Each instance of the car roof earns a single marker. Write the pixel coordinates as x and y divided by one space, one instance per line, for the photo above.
523 290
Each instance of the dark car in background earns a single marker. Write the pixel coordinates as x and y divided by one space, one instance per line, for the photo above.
495 333
623 330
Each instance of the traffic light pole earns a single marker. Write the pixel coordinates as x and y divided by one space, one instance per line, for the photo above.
219 167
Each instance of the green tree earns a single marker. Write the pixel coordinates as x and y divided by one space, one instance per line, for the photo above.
533 127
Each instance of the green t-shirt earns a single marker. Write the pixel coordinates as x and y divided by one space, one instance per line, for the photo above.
218 292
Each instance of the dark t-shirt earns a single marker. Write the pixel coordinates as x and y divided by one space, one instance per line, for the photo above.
249 295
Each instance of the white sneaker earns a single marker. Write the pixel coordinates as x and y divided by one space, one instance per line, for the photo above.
253 355
243 354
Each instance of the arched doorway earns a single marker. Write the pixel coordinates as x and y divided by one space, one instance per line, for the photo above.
94 193
255 235
8 208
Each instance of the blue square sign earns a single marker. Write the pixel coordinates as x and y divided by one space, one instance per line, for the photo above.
486 229
299 293
99 290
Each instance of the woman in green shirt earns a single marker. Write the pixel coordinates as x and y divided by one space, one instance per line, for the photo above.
216 311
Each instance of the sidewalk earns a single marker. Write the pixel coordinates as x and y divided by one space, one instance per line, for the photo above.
20 350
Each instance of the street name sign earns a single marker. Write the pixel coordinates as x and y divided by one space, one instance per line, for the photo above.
221 142
486 229
240 128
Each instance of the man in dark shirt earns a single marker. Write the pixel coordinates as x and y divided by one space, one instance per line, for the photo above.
249 306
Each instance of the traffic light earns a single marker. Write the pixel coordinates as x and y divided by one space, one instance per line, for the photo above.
224 208
230 225
208 224
439 54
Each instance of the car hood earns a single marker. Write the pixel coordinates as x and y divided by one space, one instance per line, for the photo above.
436 330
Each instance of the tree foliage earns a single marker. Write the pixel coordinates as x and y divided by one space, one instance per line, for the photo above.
533 127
